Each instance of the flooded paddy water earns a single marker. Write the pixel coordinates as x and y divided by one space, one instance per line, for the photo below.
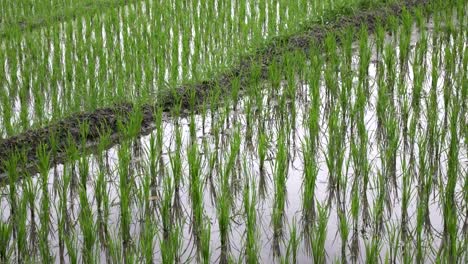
355 152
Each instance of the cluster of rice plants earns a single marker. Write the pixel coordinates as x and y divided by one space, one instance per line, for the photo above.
354 150
133 51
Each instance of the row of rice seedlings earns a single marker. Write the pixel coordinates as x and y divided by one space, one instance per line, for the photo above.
63 220
318 234
280 175
451 246
342 198
292 246
145 197
361 167
360 141
132 53
196 189
337 111
251 246
226 199
170 239
125 186
44 213
310 147
177 172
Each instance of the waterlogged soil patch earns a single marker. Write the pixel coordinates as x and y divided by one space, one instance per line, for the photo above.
56 134
355 151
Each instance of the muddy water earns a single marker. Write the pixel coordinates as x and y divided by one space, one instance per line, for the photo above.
231 120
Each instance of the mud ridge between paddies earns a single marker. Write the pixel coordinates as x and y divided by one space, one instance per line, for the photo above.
56 137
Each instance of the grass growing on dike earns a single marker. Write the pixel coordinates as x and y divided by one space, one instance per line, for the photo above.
354 149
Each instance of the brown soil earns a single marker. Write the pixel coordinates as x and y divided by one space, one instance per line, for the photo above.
107 118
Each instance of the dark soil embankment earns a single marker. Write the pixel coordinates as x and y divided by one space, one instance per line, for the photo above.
69 128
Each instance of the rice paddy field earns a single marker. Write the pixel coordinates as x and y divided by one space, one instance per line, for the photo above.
266 131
